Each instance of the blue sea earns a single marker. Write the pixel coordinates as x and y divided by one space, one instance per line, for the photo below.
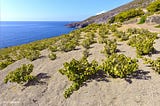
17 33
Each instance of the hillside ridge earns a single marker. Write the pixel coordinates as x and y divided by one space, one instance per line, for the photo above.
102 18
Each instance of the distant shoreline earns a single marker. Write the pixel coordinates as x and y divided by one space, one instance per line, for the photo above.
15 33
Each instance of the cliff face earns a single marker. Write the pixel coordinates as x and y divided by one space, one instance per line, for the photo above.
102 18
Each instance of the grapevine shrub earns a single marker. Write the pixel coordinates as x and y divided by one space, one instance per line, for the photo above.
20 75
52 56
155 64
68 43
121 35
32 54
78 72
110 47
143 40
3 65
118 65
87 42
53 48
6 62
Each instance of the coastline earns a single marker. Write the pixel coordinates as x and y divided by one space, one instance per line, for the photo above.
22 32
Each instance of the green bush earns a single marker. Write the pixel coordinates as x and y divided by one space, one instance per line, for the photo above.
78 72
154 6
122 36
32 54
113 28
3 65
53 48
142 32
142 19
6 62
103 31
145 47
143 40
69 46
20 75
68 43
87 42
52 56
155 64
119 66
127 15
110 47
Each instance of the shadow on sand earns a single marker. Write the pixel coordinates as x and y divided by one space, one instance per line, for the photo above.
38 80
101 76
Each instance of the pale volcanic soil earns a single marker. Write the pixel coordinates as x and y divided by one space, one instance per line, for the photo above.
143 89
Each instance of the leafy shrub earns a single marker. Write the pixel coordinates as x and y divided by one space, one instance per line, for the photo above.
20 75
143 33
145 47
126 15
5 63
90 35
142 19
32 54
119 66
69 46
90 27
113 28
110 47
87 42
143 40
103 31
155 64
78 72
133 41
121 35
52 56
53 48
4 56
154 6
132 30
68 43
102 40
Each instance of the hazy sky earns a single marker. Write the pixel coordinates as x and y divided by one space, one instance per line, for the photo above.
54 10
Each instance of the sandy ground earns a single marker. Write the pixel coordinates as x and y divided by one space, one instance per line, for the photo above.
150 27
142 89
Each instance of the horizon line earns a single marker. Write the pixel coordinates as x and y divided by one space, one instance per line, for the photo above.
37 21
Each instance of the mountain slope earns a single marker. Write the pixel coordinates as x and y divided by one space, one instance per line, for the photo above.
102 18
48 91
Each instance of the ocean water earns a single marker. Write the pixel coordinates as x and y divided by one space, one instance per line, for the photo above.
17 33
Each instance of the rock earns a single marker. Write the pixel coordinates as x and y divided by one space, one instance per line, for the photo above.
153 19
